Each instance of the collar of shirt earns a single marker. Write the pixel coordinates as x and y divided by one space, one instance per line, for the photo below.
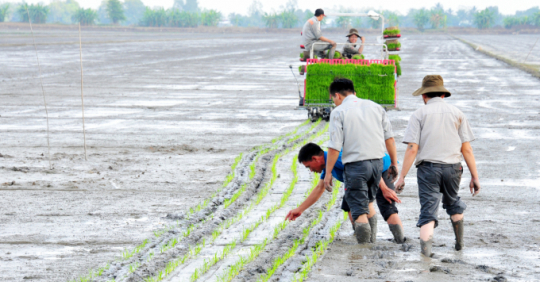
349 98
315 19
434 100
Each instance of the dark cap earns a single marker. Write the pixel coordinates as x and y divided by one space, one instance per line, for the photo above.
319 12
430 84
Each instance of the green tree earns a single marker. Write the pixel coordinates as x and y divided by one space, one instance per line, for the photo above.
271 20
437 17
38 13
390 18
344 22
158 17
134 11
288 19
536 19
191 6
85 16
484 19
421 18
62 11
115 11
4 12
210 17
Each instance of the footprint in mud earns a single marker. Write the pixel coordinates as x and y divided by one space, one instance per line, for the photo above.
437 268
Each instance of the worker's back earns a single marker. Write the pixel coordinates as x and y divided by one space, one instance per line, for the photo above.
311 32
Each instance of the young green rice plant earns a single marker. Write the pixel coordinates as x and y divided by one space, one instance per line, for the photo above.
397 60
358 57
313 126
319 251
393 46
337 55
133 267
374 82
392 32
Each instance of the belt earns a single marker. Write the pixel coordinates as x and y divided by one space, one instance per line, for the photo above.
423 163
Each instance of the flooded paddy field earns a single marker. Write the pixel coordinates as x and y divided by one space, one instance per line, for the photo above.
521 48
168 114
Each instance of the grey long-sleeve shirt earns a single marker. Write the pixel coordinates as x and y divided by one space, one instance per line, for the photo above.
311 32
359 127
351 48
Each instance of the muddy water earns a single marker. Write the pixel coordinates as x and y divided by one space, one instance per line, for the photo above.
501 229
518 47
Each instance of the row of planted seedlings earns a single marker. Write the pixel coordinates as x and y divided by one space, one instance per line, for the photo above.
252 253
204 265
147 249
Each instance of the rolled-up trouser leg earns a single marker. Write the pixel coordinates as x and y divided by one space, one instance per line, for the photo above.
387 209
429 179
452 203
362 182
321 48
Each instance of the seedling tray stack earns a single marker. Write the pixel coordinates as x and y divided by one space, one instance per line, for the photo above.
373 79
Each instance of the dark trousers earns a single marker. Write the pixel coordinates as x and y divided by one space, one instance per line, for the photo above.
362 182
387 209
436 181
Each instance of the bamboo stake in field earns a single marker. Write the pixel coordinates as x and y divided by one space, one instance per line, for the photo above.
42 89
531 50
82 94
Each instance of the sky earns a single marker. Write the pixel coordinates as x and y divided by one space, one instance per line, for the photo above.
506 7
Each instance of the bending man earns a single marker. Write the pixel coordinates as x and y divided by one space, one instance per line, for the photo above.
437 135
312 34
314 158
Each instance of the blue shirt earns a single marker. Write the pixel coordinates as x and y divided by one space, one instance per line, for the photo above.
337 172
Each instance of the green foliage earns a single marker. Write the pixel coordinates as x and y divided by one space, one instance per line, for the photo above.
374 82
271 20
134 11
421 18
397 60
390 18
337 54
38 13
85 16
174 18
358 57
512 21
62 11
437 18
115 11
393 46
210 17
4 11
484 19
392 32
288 19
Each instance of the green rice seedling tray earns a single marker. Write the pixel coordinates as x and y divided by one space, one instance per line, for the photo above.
373 79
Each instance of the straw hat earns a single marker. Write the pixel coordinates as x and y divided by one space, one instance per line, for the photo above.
353 31
430 84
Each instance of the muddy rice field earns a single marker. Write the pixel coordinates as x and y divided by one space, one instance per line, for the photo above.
191 145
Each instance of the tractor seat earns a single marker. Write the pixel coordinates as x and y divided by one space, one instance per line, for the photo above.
302 47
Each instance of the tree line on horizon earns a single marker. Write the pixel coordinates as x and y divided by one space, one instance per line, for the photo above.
187 13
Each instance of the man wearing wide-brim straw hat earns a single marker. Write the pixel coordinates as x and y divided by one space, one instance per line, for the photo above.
438 135
352 49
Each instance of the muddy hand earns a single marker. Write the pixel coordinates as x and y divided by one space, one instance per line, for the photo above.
393 172
400 185
328 182
475 186
293 214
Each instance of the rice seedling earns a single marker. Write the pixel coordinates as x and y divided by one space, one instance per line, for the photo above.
337 55
374 82
296 137
133 267
397 60
393 46
392 32
358 57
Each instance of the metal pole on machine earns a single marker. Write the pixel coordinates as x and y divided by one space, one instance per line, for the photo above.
82 94
42 89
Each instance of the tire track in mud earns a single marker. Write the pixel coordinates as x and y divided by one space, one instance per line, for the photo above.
147 260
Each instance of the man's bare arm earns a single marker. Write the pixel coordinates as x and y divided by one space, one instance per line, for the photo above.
468 155
408 160
331 160
388 193
313 197
392 152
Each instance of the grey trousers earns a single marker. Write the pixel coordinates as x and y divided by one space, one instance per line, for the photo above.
318 48
362 182
436 181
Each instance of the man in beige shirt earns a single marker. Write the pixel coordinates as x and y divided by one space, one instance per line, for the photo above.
438 134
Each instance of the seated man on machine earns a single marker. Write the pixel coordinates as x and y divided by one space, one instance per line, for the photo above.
312 34
349 50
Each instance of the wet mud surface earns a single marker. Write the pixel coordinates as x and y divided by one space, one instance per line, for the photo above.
167 114
518 47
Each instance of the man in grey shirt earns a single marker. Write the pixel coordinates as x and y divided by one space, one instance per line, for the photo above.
361 128
312 34
437 135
